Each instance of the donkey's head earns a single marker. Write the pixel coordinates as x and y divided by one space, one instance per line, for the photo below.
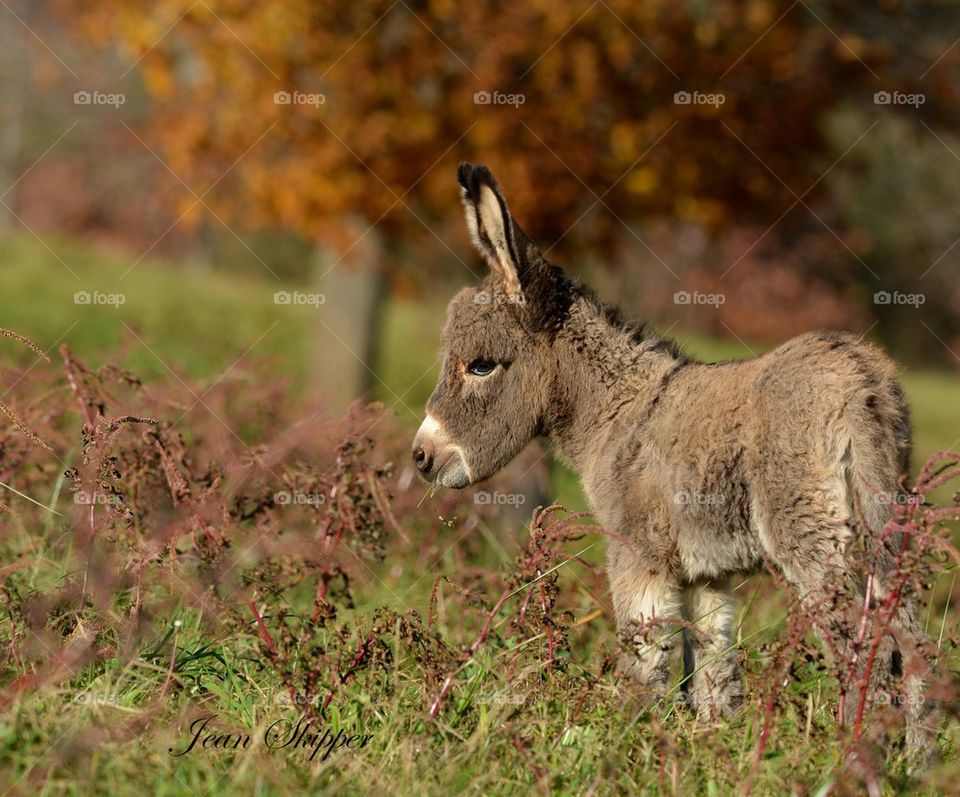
497 372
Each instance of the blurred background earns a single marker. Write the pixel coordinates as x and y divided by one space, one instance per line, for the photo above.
192 186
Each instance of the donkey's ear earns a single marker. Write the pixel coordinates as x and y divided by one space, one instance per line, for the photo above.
490 224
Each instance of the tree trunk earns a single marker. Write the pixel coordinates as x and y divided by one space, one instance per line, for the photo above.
349 321
14 67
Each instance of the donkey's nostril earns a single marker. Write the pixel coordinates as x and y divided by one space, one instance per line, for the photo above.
422 460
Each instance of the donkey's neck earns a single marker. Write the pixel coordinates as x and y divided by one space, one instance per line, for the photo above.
606 377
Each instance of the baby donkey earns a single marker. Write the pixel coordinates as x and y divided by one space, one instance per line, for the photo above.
700 472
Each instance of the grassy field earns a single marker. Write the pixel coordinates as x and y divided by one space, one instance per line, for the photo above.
509 725
189 319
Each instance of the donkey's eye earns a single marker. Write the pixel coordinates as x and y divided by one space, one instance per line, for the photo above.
481 367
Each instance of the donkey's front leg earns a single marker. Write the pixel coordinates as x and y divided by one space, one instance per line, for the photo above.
709 663
648 605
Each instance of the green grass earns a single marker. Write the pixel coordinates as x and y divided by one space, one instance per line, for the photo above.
111 729
187 318
71 739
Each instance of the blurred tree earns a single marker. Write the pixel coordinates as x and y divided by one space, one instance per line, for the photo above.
13 91
333 118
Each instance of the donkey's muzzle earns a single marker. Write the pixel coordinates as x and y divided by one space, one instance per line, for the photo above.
423 459
437 458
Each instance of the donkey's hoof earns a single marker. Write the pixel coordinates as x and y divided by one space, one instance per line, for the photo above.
718 704
921 749
635 686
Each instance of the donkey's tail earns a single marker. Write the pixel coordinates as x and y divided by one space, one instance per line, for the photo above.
878 454
877 457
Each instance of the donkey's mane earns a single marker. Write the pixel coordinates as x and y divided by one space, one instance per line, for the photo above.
639 332
554 293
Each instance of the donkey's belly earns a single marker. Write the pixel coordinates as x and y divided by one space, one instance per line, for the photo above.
717 541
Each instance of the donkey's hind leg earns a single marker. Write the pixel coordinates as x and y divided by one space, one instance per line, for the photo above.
710 666
807 534
648 606
910 660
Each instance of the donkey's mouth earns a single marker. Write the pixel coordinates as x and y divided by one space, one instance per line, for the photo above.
454 472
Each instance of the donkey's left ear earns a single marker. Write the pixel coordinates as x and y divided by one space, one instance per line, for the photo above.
490 224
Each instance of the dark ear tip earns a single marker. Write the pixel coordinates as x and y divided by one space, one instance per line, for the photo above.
464 171
472 176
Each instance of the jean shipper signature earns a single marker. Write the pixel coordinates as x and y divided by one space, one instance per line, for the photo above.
283 734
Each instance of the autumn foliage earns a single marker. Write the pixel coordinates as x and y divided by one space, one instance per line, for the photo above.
599 121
